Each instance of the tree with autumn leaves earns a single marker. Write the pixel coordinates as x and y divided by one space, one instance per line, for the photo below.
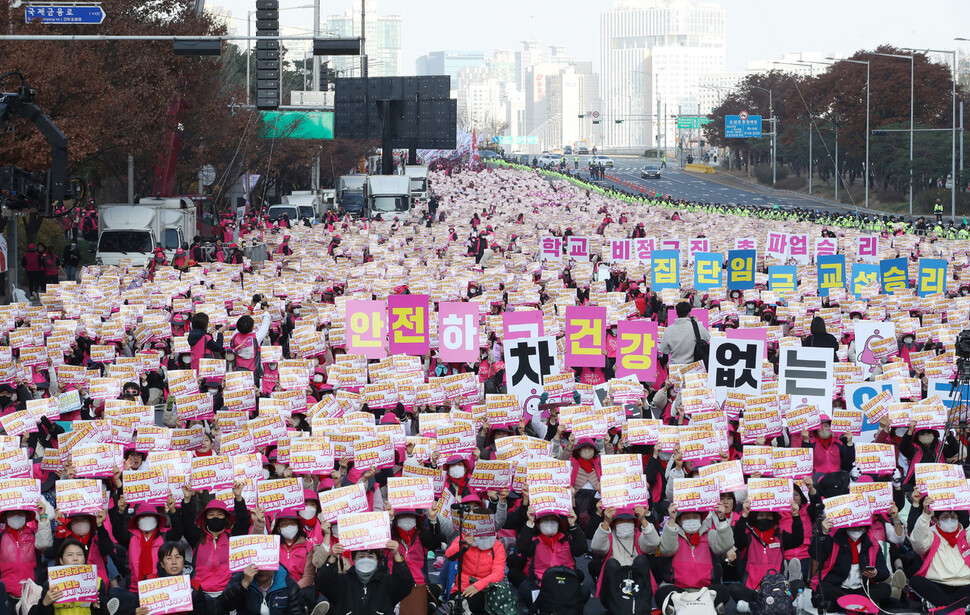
111 98
833 101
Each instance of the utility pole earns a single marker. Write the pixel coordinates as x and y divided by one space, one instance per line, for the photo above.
363 38
316 58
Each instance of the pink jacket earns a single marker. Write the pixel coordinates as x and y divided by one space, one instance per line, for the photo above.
486 566
18 558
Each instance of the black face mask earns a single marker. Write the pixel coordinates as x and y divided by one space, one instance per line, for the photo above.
216 524
764 524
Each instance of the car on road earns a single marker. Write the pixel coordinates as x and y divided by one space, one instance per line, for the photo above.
651 169
582 151
568 149
488 154
552 159
606 161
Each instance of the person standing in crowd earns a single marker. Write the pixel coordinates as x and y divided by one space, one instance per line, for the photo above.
71 259
34 266
680 339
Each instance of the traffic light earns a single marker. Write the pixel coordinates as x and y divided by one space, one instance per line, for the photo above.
618 121
267 55
327 75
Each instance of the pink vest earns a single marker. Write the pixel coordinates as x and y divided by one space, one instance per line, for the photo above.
917 457
558 555
828 459
17 558
962 546
199 351
314 535
245 340
761 558
293 557
414 554
212 562
800 552
692 567
268 382
134 557
575 470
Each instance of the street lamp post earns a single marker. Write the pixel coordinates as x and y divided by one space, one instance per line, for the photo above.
912 111
866 62
953 146
774 135
811 73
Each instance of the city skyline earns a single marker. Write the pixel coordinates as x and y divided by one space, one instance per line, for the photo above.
839 27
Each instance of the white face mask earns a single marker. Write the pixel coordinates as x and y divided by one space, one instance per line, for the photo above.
624 530
484 543
456 471
288 532
147 523
824 433
549 528
15 522
855 535
366 565
665 455
946 525
926 439
186 359
901 431
587 453
318 378
81 528
308 512
265 474
691 526
406 524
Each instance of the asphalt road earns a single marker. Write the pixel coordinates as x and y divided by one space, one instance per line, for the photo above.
699 187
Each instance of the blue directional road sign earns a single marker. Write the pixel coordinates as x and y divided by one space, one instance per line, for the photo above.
65 14
737 128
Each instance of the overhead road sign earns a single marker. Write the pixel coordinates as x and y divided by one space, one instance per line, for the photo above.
736 127
692 122
65 14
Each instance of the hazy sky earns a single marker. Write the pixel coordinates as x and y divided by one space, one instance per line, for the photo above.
756 29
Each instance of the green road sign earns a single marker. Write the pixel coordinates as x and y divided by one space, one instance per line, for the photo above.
692 122
297 125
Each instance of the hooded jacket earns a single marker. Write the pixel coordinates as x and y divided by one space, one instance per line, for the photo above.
212 556
349 595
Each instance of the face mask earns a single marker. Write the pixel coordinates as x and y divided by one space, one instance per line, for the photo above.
484 543
948 525
406 524
81 528
907 340
456 472
213 391
288 532
186 359
366 565
624 530
855 535
147 523
265 474
665 456
216 524
308 512
926 439
901 431
691 526
271 367
763 524
824 433
318 378
15 522
587 453
549 528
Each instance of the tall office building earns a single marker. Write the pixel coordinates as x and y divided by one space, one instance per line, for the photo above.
652 54
448 63
382 41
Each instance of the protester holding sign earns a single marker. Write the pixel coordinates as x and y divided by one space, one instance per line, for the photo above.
262 592
482 567
26 535
695 547
941 540
370 587
71 554
208 534
548 541
91 532
417 536
144 531
622 541
762 542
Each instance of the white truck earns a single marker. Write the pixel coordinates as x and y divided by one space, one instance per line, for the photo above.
309 204
350 193
132 231
388 196
419 181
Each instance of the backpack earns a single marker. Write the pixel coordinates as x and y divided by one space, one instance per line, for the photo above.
774 596
561 593
628 593
702 348
690 602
